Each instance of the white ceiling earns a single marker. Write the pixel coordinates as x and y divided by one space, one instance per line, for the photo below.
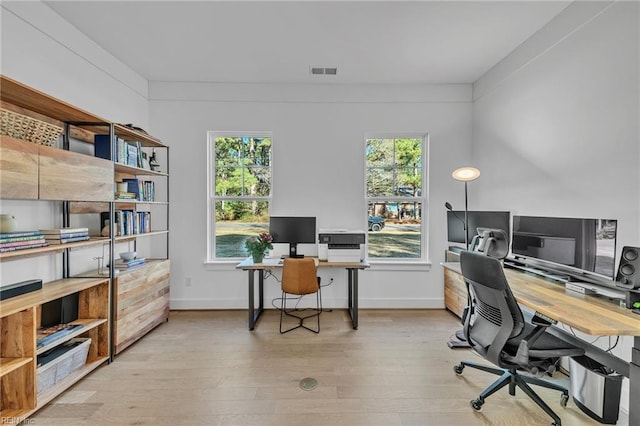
277 42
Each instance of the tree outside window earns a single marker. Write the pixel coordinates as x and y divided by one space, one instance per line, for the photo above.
239 191
395 182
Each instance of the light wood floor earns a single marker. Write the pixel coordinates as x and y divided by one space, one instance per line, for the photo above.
206 368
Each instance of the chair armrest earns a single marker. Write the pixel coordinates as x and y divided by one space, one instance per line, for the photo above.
541 322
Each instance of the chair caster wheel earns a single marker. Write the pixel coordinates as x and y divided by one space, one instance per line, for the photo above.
477 404
458 369
564 399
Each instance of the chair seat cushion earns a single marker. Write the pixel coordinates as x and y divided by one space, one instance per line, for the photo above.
542 347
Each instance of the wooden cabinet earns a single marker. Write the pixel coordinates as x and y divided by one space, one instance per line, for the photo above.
70 176
142 302
18 169
455 292
20 318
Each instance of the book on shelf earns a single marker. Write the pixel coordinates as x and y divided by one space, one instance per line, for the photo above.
40 243
66 235
67 239
102 147
125 196
124 264
20 234
22 243
37 236
144 190
46 335
132 154
61 231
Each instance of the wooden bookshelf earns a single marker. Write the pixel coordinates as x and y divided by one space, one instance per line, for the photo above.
84 184
18 355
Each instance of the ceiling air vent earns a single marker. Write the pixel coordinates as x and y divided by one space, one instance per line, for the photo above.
323 71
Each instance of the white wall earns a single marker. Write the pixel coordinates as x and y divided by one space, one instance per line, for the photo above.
45 52
557 133
555 125
318 139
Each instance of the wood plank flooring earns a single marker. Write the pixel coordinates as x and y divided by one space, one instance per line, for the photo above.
206 368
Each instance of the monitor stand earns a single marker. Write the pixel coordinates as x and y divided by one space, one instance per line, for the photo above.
293 251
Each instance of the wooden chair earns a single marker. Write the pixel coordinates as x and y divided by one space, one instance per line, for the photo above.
299 278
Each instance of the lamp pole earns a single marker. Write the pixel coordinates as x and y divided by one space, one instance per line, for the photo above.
466 218
466 174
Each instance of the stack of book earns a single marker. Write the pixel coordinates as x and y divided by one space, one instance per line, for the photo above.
65 235
21 240
125 196
127 264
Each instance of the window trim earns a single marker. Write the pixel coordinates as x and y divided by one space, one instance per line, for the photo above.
424 198
211 188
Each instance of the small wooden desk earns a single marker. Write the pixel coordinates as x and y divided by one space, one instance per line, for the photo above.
590 314
248 265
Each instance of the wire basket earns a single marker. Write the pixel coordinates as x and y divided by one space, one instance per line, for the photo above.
27 128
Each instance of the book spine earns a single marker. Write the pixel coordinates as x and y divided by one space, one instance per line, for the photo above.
61 231
6 249
66 235
102 146
67 240
19 234
22 243
14 239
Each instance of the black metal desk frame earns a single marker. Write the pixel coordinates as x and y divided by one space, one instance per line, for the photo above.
254 313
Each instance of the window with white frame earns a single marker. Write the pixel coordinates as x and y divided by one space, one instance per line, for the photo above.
239 191
395 170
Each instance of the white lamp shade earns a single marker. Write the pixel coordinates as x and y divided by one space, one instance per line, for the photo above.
466 174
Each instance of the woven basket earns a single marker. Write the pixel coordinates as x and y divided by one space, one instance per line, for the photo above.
27 128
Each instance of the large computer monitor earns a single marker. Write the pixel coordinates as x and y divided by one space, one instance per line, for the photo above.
293 230
570 244
477 219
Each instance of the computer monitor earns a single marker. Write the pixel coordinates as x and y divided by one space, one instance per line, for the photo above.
483 219
293 230
574 245
492 242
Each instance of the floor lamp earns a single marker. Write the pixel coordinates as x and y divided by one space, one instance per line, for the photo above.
466 174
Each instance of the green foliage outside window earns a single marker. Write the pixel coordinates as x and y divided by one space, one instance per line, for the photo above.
242 191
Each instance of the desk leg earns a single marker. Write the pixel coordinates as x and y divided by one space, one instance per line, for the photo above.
253 313
634 383
353 296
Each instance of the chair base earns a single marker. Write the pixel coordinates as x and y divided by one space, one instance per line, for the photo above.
301 319
513 379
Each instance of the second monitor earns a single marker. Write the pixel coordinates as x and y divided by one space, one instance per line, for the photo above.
293 230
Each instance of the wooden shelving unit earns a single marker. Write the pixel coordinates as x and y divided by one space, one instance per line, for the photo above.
85 185
19 318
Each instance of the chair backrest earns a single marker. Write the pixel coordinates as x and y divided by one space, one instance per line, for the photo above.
299 276
497 316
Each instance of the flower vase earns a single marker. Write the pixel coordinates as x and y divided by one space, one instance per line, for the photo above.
257 257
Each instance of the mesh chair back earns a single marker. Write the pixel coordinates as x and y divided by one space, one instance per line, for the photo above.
497 316
299 276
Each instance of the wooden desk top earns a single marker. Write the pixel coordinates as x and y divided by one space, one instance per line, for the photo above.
590 314
270 263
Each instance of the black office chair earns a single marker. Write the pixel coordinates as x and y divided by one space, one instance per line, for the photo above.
495 328
300 277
